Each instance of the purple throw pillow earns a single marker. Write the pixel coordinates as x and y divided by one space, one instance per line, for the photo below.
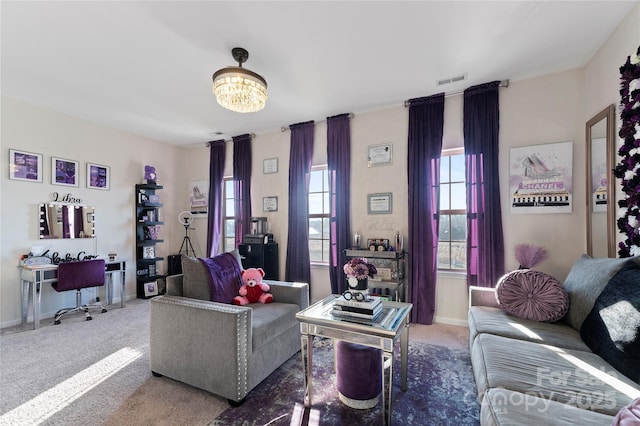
532 295
629 415
225 277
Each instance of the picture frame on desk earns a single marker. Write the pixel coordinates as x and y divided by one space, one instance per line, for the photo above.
151 288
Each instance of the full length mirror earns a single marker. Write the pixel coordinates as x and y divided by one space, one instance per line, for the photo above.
58 220
600 139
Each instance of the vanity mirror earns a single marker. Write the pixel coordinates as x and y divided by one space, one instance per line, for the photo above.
61 220
600 139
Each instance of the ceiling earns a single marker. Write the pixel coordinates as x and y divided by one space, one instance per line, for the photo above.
145 67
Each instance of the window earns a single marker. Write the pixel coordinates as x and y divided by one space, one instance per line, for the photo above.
452 235
319 215
229 221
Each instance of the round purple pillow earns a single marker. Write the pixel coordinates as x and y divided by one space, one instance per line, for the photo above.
532 295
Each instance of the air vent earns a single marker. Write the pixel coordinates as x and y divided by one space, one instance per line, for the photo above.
449 80
216 133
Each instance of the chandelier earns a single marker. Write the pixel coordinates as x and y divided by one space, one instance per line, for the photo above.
239 89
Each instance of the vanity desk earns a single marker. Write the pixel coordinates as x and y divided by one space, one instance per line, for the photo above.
32 278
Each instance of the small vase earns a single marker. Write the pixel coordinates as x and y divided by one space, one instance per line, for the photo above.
356 240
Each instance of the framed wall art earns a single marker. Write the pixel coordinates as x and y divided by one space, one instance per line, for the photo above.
98 176
270 165
64 172
269 204
379 155
199 197
380 203
25 166
541 178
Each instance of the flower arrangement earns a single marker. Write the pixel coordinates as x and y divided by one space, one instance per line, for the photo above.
359 268
629 166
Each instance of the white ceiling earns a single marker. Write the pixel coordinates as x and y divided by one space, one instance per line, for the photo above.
145 67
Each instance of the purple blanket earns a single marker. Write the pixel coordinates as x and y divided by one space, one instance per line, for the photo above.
224 277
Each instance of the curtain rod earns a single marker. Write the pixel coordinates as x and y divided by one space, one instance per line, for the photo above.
503 83
284 129
253 135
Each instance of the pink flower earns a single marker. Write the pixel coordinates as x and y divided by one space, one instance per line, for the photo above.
359 268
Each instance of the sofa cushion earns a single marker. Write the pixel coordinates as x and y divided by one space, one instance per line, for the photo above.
612 328
576 378
483 319
195 282
532 295
505 407
586 280
271 320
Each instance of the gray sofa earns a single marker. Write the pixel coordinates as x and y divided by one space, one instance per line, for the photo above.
533 373
223 348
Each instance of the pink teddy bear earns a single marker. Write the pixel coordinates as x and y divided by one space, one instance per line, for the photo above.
253 290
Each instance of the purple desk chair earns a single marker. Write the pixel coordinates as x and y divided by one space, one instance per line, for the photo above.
76 276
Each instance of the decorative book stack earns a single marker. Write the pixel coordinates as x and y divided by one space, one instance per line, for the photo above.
368 309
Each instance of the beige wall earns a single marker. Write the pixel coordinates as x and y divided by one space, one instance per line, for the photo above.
49 133
549 109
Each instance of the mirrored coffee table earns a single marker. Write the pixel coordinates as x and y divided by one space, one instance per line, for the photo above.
391 325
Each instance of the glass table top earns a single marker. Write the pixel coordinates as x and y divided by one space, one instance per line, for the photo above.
389 321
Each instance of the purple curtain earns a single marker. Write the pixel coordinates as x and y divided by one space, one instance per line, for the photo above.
339 168
426 123
78 222
216 191
66 229
485 244
298 267
242 184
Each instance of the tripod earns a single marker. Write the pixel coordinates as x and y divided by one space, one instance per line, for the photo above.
186 241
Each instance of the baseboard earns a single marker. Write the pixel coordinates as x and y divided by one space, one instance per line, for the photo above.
451 321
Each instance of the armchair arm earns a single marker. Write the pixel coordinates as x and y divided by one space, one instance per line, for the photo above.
203 343
174 285
289 292
482 296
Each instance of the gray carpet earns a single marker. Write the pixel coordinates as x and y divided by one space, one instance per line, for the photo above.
97 373
93 373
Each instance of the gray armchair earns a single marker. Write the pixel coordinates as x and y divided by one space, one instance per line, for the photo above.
224 349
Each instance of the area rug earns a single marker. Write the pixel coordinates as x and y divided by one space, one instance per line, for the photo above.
441 391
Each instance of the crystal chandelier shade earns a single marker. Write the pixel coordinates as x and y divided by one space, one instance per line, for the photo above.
239 89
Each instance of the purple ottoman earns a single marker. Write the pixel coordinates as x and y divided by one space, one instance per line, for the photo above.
359 374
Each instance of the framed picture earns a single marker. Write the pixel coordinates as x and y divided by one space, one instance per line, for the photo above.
64 172
199 197
379 155
25 166
270 165
380 203
541 178
98 176
151 289
269 204
148 252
